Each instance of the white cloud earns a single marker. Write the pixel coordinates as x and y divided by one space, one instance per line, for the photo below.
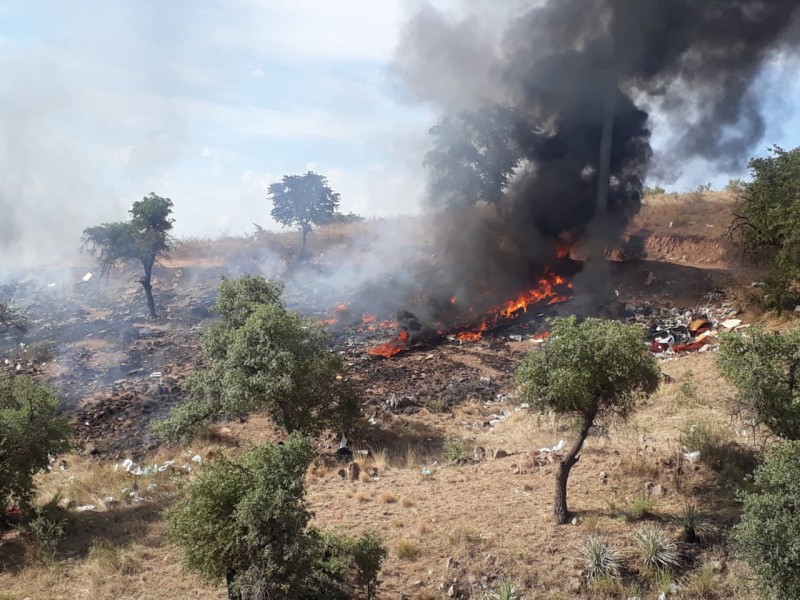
315 30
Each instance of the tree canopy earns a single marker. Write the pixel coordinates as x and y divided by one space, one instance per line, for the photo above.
31 430
764 367
768 536
591 370
144 238
475 154
303 201
262 356
245 520
768 216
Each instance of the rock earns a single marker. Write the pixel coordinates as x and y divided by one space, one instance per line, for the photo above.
486 380
648 486
658 490
603 476
449 563
451 592
479 454
498 453
342 474
576 521
109 501
86 508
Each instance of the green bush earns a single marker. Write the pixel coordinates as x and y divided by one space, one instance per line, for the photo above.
31 430
654 191
768 536
245 520
768 217
263 356
763 367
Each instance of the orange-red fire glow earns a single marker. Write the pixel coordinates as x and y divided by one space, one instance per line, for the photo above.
545 292
396 346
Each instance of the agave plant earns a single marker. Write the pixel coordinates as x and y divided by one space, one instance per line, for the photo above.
506 591
657 550
600 560
690 519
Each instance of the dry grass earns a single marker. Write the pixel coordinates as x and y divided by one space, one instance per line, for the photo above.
491 520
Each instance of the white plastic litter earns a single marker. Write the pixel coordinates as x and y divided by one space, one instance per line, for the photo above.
86 277
692 457
557 448
731 323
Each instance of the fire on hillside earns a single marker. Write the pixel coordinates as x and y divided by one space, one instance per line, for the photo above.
463 320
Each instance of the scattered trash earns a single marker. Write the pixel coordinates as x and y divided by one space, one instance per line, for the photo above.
197 459
426 472
731 323
86 277
650 278
85 508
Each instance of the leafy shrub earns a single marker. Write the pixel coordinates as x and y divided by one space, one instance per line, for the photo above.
732 462
763 367
657 550
263 356
31 430
768 536
456 450
768 217
599 559
46 532
245 520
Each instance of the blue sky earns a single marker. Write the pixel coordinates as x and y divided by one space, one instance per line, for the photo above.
209 102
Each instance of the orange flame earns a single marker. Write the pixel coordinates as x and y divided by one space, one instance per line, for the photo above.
512 309
396 346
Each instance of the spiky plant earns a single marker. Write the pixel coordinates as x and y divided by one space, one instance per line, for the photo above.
599 559
506 591
657 551
690 519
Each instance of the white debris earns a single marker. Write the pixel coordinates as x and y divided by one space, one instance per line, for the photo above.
155 374
86 277
197 459
86 508
692 457
557 448
731 323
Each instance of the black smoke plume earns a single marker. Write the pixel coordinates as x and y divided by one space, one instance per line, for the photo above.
525 106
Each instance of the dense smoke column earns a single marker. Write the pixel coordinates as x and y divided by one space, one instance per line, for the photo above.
558 64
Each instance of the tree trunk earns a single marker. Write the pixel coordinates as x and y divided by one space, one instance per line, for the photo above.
233 594
148 290
560 512
305 234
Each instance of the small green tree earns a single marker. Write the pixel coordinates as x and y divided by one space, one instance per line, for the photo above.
248 514
31 430
303 201
591 370
245 520
768 536
764 368
144 238
768 217
263 356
